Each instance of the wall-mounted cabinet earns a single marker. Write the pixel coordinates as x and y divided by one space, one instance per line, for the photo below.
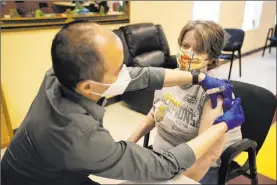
38 14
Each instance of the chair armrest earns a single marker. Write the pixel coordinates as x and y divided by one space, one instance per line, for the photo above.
171 63
232 151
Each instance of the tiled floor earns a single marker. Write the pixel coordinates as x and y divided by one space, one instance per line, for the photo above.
121 121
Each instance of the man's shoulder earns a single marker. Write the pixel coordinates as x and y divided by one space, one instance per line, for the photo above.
74 116
81 124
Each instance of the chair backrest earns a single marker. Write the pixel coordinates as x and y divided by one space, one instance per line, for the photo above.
146 44
259 106
236 38
128 60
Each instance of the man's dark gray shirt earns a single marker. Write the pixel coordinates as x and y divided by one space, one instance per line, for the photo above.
62 140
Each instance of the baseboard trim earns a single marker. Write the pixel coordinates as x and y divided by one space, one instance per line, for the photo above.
251 52
242 55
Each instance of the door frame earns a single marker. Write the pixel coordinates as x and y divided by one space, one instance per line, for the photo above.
6 116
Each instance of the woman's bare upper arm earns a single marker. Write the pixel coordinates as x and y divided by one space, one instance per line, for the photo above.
209 114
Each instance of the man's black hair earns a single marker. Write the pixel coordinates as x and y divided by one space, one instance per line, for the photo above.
74 54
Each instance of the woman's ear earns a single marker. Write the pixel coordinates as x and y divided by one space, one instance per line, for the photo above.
209 62
212 64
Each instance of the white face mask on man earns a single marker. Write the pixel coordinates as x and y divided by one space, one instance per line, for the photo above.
118 87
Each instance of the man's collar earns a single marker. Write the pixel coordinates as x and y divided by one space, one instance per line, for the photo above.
91 107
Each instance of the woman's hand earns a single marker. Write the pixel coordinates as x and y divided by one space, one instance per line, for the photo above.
144 128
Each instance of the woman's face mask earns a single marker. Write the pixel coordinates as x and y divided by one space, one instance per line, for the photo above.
188 61
118 87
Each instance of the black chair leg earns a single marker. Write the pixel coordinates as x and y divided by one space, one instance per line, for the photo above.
270 44
253 166
254 181
264 47
239 63
231 65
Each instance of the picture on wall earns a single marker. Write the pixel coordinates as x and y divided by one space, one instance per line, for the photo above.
26 14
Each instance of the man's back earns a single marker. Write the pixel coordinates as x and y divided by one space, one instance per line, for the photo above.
37 153
21 164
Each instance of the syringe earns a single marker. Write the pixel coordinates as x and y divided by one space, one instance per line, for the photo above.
215 90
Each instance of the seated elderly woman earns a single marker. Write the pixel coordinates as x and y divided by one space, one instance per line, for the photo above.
181 113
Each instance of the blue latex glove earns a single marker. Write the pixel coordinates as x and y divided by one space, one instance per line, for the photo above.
233 116
210 83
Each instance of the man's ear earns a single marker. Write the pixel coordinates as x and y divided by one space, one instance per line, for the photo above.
84 87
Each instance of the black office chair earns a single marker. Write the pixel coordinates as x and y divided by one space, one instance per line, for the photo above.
272 38
234 44
259 106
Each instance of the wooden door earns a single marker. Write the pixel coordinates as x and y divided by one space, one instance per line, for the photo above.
5 138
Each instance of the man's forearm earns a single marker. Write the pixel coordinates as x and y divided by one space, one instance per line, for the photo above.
178 77
200 167
202 143
154 78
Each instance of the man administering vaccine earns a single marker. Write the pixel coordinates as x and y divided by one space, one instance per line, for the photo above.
62 139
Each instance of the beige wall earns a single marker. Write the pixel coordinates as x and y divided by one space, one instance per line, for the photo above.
25 55
231 16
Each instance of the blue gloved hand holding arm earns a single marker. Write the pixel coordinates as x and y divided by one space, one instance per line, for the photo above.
210 83
233 115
